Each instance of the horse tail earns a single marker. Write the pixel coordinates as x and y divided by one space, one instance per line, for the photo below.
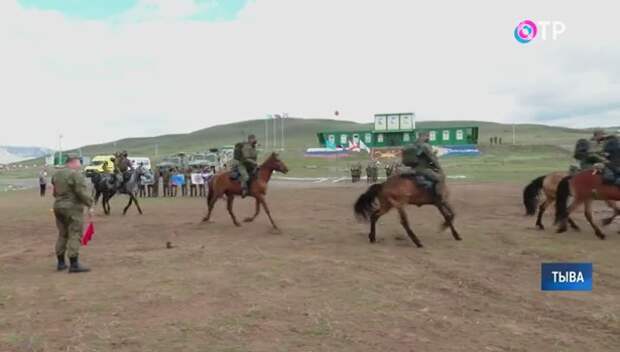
530 195
561 199
365 204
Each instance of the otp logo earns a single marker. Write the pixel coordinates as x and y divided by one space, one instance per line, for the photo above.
525 31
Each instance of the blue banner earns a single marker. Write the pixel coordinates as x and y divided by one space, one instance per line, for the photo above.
566 277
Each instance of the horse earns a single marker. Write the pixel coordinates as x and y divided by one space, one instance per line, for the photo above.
585 187
396 192
223 184
548 184
106 185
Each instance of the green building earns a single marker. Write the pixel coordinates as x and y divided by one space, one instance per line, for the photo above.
397 130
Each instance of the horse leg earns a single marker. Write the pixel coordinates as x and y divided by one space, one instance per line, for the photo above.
572 224
211 205
135 200
262 201
229 206
588 212
405 222
105 205
373 221
611 204
128 204
448 215
576 203
256 212
541 211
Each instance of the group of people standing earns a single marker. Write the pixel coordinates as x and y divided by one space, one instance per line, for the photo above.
191 182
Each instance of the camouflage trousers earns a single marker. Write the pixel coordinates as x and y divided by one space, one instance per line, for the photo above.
244 175
436 178
70 224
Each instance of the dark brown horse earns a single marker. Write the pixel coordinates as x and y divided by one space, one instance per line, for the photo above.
397 192
585 187
222 184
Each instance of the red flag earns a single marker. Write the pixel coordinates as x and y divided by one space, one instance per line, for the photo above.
88 234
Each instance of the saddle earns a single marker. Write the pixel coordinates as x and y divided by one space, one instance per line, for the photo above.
235 175
421 180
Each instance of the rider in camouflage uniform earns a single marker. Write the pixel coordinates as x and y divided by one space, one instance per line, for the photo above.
245 160
421 158
71 198
586 155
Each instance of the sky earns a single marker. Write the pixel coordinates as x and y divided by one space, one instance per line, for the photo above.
100 70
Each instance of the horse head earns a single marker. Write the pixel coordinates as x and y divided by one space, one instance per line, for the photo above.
274 163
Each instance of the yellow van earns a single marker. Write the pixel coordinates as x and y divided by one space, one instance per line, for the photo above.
97 163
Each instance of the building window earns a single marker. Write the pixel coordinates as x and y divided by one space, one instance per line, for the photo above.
343 139
432 135
459 135
446 135
406 137
380 138
368 138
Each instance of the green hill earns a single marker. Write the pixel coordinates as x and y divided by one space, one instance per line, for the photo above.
538 149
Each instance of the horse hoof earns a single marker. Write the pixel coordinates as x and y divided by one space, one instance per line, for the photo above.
560 230
600 235
248 220
419 245
606 222
237 224
540 226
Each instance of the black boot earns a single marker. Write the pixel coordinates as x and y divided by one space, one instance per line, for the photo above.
61 263
76 267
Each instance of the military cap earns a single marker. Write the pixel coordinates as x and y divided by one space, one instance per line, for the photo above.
598 134
71 157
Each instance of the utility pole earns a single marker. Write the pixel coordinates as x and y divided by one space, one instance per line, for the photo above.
275 132
284 116
266 133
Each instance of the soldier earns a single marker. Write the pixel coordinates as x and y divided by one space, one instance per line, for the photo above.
375 172
155 185
244 160
586 155
71 198
421 158
165 175
611 174
368 173
356 172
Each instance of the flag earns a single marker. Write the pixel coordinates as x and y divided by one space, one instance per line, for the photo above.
88 234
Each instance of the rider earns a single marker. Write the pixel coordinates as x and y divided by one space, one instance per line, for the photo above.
587 155
245 157
421 158
611 174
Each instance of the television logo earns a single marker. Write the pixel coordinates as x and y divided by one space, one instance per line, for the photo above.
528 30
566 277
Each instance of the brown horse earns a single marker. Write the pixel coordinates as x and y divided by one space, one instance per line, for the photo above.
222 184
396 192
548 184
585 187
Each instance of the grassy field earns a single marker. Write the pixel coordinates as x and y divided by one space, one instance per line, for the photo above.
538 148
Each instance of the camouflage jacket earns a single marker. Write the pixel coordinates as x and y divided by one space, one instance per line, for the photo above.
249 155
70 190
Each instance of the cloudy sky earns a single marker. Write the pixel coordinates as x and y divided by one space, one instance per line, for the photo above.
99 70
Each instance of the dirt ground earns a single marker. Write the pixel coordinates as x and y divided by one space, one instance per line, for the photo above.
317 286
